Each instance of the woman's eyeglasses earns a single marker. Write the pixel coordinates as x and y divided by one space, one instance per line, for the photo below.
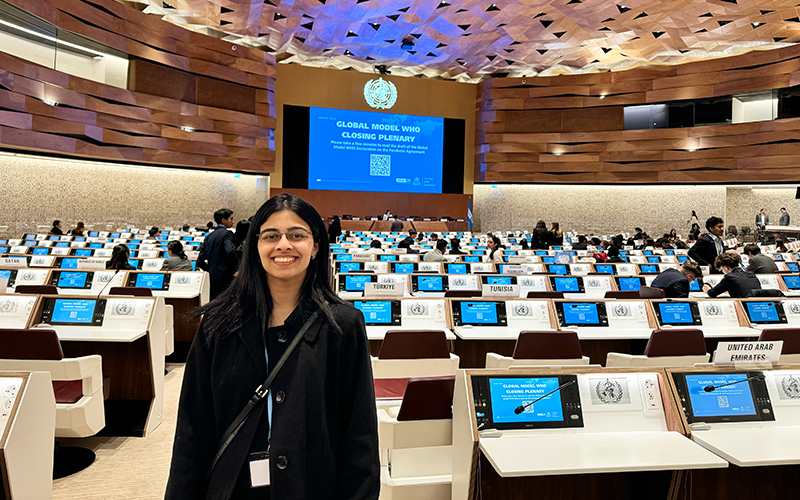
296 235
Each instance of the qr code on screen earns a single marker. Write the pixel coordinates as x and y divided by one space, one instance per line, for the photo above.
722 401
380 165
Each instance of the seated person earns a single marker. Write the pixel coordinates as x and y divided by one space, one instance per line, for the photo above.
759 263
737 282
455 247
375 247
675 282
406 243
119 259
436 255
177 258
78 230
56 229
152 234
581 244
613 256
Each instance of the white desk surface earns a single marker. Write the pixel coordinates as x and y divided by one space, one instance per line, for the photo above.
173 295
379 332
96 334
488 333
555 454
711 332
610 332
752 446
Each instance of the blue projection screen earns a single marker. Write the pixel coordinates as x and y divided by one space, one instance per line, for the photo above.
363 151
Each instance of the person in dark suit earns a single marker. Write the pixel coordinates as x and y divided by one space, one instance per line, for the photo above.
759 263
218 253
56 229
397 225
784 217
613 255
737 282
675 282
709 246
455 247
581 244
320 428
334 229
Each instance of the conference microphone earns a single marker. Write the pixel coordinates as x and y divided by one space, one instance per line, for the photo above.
106 285
521 408
712 388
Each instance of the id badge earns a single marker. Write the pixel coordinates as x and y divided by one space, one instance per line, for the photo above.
259 469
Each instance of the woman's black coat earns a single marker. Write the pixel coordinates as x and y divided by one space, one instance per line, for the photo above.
324 443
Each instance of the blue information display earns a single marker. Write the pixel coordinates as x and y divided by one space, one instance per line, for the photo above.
69 264
430 284
676 313
148 280
579 313
346 267
762 312
732 400
83 252
62 244
509 394
404 268
792 282
388 258
73 311
134 263
498 280
694 286
604 268
356 283
343 256
559 269
567 285
5 274
72 280
793 267
41 251
630 284
3 250
648 268
457 268
95 245
476 313
472 258
375 312
365 151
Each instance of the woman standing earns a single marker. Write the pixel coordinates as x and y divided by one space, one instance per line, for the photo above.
693 220
319 427
495 247
334 229
556 236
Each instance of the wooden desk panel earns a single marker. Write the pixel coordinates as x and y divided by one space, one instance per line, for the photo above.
356 225
127 364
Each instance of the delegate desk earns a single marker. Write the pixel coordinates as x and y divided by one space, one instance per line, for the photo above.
569 433
382 314
23 276
128 332
493 325
751 418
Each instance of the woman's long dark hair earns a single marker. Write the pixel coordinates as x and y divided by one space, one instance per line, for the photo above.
176 247
247 302
119 257
497 246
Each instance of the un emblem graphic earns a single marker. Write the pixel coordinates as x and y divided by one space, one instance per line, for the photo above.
713 310
791 387
609 392
522 309
418 309
794 307
123 309
621 310
8 306
380 94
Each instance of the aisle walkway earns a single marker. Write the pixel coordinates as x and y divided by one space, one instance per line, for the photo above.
128 468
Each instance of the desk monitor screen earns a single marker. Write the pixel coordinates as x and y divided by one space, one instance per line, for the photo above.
379 312
403 267
582 313
777 256
604 269
3 250
428 283
343 256
82 312
630 283
559 269
346 267
154 281
647 252
567 285
682 258
338 250
479 313
499 280
355 282
761 312
30 236
540 252
724 397
93 234
456 269
648 268
73 279
83 252
10 275
3 242
793 267
388 258
478 252
655 259
95 245
31 243
792 282
54 238
113 235
527 402
41 251
548 260
678 313
61 244
68 263
694 286
472 258
670 252
135 263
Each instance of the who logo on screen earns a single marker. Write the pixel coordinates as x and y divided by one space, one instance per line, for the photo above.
380 94
380 165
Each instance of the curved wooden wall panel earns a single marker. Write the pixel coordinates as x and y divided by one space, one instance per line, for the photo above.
227 101
569 129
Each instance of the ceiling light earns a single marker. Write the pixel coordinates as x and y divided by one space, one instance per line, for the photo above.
602 96
52 39
691 150
50 103
187 129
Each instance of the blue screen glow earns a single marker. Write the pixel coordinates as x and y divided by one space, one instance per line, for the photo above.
762 312
62 244
31 243
5 274
41 251
508 394
476 313
457 268
724 401
498 280
404 268
72 280
356 283
365 151
676 312
95 245
567 285
682 258
388 258
560 269
69 264
648 268
793 267
548 260
148 280
694 286
604 268
346 267
375 312
343 256
73 311
83 252
472 258
654 260
792 282
430 284
3 250
580 313
630 284
134 263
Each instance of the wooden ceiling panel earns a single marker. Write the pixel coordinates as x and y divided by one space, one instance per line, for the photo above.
469 39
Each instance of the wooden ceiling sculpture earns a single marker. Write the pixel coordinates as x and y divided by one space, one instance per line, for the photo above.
466 39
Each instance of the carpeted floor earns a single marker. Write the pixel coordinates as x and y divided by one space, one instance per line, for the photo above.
127 468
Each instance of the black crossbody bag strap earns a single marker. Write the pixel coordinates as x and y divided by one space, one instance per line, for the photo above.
259 395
